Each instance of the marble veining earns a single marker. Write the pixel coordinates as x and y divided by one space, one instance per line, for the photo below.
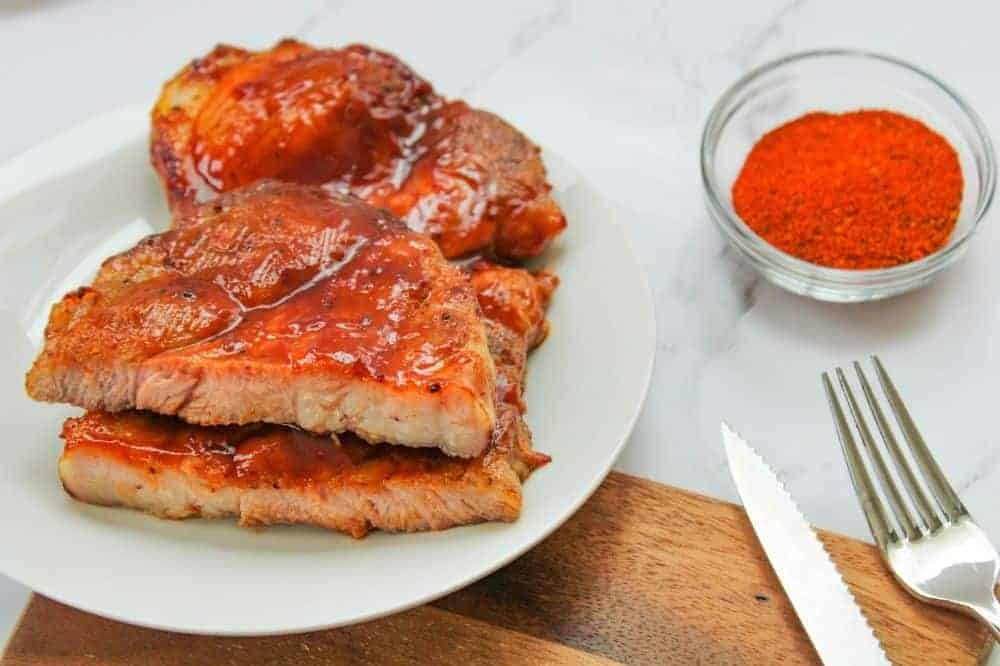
621 91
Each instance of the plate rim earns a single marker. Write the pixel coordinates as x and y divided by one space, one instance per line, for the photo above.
87 142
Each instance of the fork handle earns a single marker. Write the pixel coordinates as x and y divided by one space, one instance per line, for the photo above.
989 615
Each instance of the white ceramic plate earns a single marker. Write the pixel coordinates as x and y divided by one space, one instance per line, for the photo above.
69 203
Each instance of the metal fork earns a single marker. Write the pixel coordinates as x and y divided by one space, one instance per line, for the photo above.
926 535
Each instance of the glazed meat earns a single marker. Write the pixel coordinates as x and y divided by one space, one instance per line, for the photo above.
360 121
266 474
284 304
514 298
272 474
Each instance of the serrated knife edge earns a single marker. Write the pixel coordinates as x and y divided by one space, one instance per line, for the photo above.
825 605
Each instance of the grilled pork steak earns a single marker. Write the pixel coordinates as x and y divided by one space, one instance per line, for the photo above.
360 121
272 474
284 304
266 474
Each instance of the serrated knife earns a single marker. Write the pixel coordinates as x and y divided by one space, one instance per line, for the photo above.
831 617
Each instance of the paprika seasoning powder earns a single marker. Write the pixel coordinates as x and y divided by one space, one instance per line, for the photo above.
858 190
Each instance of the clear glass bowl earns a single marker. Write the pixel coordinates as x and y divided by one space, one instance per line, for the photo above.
837 81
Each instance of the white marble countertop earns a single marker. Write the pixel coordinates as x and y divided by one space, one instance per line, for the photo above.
621 90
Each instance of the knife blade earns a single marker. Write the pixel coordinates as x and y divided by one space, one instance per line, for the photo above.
828 611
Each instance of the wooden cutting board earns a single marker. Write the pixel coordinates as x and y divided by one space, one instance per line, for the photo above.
644 574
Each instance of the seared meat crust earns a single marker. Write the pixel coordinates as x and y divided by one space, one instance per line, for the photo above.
267 474
284 304
356 120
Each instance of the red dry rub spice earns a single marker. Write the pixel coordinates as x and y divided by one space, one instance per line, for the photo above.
865 189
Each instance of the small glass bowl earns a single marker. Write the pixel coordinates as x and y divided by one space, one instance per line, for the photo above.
838 81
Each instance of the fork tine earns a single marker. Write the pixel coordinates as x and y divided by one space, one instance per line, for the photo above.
871 503
936 480
904 518
921 501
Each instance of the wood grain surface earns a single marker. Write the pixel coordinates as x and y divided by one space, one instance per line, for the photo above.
644 574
